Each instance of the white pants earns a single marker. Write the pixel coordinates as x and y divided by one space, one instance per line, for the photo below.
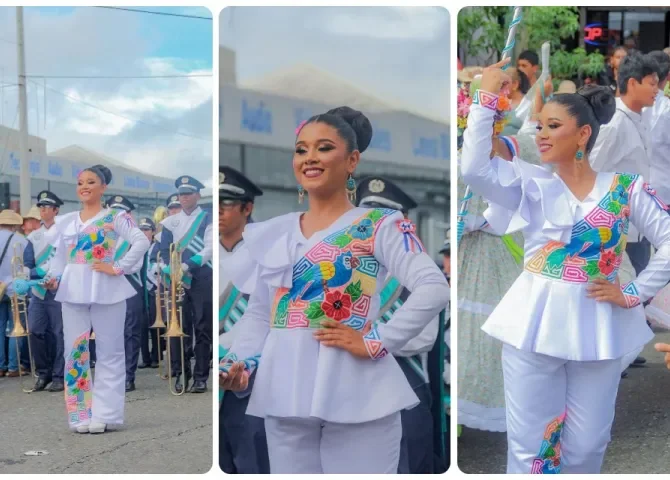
310 445
559 412
105 402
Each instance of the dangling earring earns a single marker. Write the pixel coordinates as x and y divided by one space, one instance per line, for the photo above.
351 189
580 155
301 194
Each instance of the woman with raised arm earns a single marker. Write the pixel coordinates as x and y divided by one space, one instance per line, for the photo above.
566 322
326 381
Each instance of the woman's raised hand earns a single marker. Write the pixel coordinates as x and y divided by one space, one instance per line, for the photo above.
494 78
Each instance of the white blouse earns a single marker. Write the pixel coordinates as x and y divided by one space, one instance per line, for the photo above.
80 244
295 282
568 243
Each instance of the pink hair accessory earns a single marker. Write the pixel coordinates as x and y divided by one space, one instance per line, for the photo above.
302 124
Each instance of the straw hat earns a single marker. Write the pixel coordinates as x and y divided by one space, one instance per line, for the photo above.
10 217
34 212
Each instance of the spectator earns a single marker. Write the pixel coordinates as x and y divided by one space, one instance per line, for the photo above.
529 63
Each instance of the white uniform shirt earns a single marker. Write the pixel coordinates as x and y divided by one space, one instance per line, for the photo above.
179 225
657 121
41 239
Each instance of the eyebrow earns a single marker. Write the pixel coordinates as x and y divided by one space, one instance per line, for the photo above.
318 141
555 118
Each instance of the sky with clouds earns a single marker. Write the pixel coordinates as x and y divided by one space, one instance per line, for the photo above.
399 54
155 125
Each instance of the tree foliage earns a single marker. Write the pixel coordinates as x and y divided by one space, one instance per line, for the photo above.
480 31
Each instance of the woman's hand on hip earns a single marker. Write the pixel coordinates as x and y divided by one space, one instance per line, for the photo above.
104 268
664 348
51 284
336 335
603 291
236 380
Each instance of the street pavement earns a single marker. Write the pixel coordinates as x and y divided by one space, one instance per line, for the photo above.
162 433
640 435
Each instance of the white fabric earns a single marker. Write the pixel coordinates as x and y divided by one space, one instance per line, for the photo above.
109 383
226 338
657 121
422 343
297 377
622 146
79 283
312 446
548 316
41 239
19 242
179 225
539 389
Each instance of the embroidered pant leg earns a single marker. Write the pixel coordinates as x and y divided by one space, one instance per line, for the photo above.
591 397
38 323
535 402
55 335
132 334
370 447
294 445
110 389
78 380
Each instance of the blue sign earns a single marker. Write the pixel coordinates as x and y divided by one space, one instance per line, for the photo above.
256 120
381 139
136 182
55 169
76 170
431 147
301 115
15 163
161 187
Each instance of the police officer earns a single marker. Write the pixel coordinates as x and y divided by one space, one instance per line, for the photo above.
134 305
148 277
242 443
191 231
418 424
45 319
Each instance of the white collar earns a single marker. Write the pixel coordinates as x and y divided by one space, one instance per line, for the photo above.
636 117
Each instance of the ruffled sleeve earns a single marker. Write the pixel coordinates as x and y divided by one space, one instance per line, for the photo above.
59 260
266 257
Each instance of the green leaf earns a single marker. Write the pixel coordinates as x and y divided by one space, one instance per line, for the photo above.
77 355
282 307
625 181
314 311
342 241
614 207
375 215
354 290
591 268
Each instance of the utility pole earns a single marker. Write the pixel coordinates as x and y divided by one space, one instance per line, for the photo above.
24 174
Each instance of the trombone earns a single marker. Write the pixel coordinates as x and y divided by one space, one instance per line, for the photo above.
175 316
159 322
19 309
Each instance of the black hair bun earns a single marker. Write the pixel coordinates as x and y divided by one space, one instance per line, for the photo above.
106 172
359 122
601 100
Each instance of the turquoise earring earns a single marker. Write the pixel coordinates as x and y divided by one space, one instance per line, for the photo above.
351 188
580 155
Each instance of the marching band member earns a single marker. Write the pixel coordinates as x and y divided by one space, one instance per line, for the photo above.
565 323
135 311
329 392
93 293
418 424
45 318
149 276
191 231
173 205
242 445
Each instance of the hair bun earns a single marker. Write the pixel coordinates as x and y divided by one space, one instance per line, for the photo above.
359 122
106 172
601 100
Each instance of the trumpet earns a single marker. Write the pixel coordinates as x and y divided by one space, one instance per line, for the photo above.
175 316
19 310
159 322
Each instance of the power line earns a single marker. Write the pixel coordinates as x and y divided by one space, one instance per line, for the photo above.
74 99
195 75
182 15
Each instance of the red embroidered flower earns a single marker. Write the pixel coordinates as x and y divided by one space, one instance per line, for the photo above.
99 252
607 263
337 305
82 383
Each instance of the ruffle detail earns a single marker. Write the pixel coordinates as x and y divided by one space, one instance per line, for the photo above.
267 255
538 185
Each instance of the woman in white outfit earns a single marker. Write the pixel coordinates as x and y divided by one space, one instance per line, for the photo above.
566 322
326 383
93 292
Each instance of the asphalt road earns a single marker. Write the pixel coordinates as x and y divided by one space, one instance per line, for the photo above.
162 433
640 435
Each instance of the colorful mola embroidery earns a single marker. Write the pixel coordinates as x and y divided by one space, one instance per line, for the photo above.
78 396
96 242
549 458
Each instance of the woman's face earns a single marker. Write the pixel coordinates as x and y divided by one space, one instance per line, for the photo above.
558 136
90 188
321 162
617 56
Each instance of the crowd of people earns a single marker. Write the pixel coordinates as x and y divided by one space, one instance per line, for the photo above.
90 280
333 322
567 240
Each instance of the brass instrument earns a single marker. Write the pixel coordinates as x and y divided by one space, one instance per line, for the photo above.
175 315
19 309
160 214
159 322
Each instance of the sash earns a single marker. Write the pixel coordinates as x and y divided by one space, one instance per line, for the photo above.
38 290
233 305
393 296
191 242
136 278
436 359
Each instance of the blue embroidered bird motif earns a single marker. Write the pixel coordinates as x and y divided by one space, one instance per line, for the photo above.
87 242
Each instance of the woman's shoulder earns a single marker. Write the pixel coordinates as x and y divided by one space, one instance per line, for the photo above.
272 227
